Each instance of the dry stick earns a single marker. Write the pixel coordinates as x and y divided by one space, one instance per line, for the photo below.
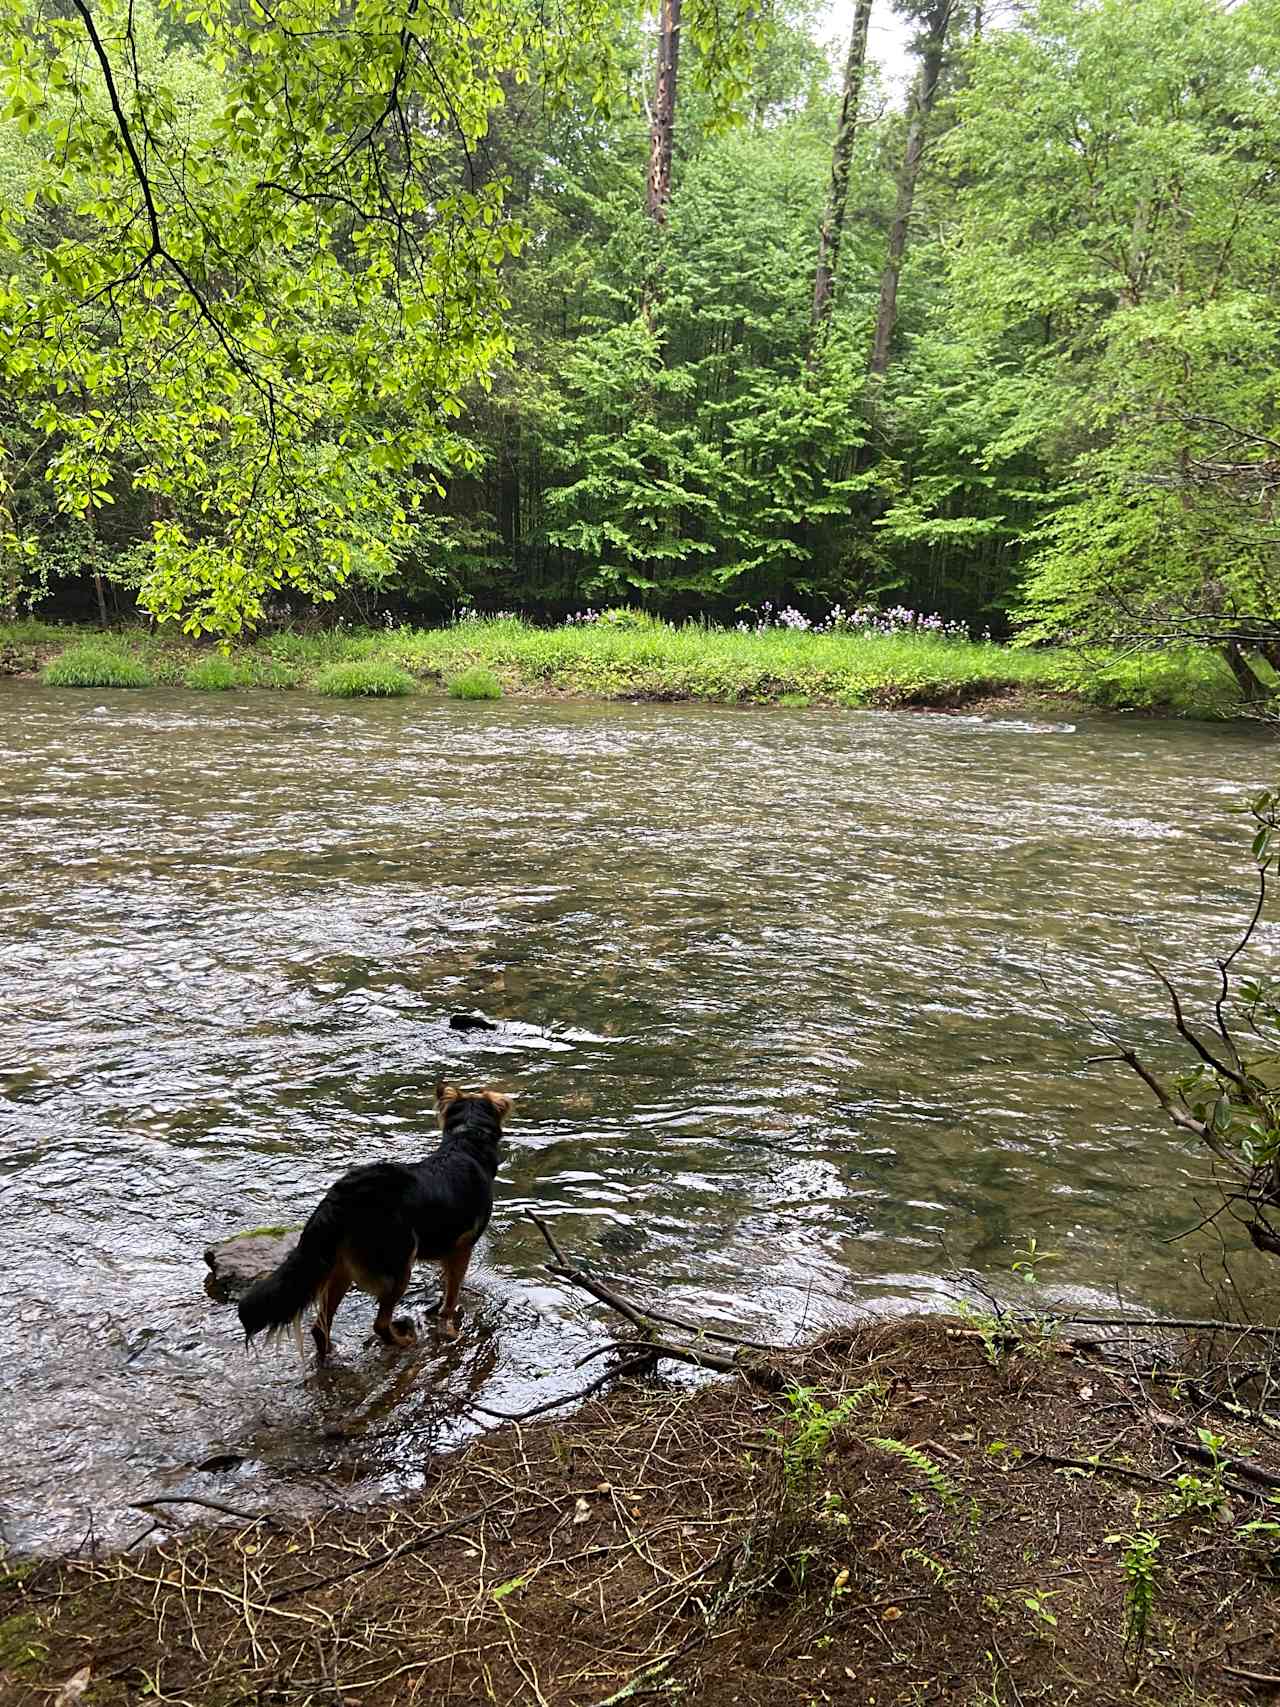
1152 1322
1269 1677
1105 1468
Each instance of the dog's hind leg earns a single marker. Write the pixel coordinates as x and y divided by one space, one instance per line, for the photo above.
390 1332
454 1267
335 1290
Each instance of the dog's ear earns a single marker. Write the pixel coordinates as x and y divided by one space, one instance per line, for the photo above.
445 1094
499 1103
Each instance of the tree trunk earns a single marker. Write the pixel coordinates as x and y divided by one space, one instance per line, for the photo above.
832 227
91 512
662 128
923 95
1249 682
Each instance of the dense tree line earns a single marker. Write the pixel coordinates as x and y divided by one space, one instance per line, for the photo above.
660 309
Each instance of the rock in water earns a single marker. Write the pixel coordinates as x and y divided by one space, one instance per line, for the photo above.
471 1022
235 1264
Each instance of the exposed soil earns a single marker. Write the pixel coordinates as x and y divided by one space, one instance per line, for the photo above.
731 1544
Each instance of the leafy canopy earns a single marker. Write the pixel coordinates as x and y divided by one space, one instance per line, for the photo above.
252 262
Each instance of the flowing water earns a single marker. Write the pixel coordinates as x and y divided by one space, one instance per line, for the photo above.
796 1002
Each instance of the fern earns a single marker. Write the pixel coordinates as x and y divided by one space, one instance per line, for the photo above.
924 1467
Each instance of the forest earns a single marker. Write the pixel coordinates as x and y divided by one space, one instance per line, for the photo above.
396 313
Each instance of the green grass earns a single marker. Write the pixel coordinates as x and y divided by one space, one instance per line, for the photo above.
643 659
97 664
662 662
211 675
475 683
373 680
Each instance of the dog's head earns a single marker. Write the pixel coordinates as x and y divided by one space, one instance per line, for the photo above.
452 1102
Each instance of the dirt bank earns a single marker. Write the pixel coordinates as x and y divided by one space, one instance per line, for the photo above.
912 1516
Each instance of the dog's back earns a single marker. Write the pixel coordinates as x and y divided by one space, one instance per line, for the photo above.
375 1222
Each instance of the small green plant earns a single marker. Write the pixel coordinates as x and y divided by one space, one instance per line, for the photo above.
1268 1527
1037 1604
1027 1258
796 701
356 680
475 683
812 1427
96 664
211 675
1195 1495
925 1467
1138 1562
1266 1532
991 1331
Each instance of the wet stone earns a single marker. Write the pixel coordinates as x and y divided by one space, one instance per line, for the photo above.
471 1022
234 1264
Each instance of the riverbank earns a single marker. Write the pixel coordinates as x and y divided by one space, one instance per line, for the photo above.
651 661
909 1512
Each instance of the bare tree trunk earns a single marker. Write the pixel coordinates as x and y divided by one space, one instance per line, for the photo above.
832 227
92 515
923 95
662 127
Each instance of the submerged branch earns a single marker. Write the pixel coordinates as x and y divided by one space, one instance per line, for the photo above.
647 1325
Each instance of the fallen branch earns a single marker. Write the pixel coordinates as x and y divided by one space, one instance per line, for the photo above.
632 1366
1245 1468
646 1325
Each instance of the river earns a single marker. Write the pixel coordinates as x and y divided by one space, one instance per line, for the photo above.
796 1003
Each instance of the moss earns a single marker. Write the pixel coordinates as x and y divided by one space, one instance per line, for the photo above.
20 1641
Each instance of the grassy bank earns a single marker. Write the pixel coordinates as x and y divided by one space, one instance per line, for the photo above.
647 661
906 1513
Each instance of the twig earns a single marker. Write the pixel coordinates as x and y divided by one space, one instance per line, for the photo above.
1224 966
1184 1031
209 1505
1104 1467
1173 1322
393 1553
633 1366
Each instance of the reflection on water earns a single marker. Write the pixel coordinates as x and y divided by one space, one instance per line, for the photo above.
797 1005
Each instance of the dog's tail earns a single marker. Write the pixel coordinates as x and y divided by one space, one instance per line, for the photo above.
277 1301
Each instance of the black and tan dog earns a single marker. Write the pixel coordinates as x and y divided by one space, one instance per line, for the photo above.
374 1223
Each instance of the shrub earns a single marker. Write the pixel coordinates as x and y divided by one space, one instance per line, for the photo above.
211 675
475 683
351 681
95 664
